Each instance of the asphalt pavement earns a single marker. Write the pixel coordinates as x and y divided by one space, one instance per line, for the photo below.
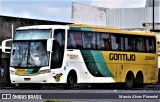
149 93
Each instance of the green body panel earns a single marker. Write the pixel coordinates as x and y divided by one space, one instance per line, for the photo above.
96 63
80 29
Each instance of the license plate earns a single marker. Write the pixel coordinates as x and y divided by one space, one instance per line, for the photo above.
27 79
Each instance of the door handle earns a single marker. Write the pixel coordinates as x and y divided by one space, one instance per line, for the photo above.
86 72
122 66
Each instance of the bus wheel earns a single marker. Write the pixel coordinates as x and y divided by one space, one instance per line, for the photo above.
129 80
70 82
159 76
139 79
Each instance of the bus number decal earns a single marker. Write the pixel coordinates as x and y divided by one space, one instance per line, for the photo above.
149 58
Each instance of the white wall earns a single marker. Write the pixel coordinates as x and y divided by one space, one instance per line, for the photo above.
84 14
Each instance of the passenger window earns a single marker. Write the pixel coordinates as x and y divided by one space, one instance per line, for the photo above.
103 41
140 44
150 45
89 40
74 40
117 42
130 43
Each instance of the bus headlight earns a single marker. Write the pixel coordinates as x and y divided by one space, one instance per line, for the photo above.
12 72
44 71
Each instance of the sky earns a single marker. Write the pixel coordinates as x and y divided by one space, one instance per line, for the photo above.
57 10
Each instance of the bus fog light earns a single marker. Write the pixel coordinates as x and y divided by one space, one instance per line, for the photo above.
44 71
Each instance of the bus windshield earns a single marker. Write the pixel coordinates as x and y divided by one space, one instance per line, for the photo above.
29 48
33 34
29 54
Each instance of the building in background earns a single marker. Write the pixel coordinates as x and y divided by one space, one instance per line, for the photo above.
149 3
125 18
88 14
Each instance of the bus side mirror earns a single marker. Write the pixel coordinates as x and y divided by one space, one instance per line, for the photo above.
4 47
49 44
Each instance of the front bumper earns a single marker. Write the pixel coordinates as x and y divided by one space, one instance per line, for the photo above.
41 78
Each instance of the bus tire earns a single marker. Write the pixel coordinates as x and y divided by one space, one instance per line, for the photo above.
159 75
17 86
139 80
71 80
129 80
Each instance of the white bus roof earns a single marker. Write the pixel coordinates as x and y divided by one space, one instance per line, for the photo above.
44 27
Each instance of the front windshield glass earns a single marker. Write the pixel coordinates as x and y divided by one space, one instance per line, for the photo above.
33 34
29 54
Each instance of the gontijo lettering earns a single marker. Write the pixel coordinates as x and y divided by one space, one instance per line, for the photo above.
122 57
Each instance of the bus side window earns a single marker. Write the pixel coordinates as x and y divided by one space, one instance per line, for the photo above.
140 44
126 44
74 40
89 40
150 45
106 44
103 41
133 44
117 42
130 43
113 42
